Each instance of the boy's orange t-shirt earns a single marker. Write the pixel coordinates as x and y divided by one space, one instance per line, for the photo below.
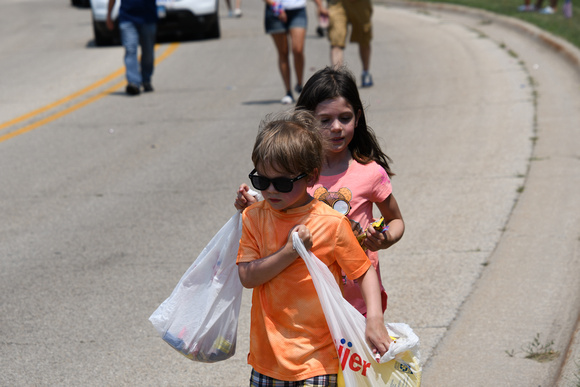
289 337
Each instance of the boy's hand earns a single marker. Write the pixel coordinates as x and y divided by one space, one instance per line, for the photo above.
244 198
304 234
377 335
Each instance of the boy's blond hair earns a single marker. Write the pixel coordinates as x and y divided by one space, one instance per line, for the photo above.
290 143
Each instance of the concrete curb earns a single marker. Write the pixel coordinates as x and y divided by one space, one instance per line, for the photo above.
469 325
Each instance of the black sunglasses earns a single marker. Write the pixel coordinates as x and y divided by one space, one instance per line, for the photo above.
281 184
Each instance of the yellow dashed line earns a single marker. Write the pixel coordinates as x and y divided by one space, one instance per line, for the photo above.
170 49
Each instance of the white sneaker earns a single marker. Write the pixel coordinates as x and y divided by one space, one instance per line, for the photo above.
238 12
547 10
287 99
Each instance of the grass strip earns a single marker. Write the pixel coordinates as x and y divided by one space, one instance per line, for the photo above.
556 24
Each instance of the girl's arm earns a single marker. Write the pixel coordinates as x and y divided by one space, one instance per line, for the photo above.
376 332
262 270
390 211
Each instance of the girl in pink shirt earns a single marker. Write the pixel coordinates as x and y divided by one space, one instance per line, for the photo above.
355 174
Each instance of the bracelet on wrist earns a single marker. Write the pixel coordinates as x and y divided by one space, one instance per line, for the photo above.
277 8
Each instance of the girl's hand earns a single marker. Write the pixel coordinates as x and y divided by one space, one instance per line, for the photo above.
304 234
377 335
376 240
393 219
282 16
243 198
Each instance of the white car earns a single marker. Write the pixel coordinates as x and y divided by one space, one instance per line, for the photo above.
185 19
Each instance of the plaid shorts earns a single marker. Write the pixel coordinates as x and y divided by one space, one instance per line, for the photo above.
259 380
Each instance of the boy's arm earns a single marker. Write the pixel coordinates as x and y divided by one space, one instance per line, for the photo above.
262 270
376 332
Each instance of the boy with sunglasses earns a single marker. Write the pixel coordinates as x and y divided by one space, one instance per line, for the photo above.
290 343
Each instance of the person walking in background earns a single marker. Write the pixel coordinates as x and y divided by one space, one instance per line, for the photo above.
357 14
237 12
322 27
286 20
548 10
567 8
138 27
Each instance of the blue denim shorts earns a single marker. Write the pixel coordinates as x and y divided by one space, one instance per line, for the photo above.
296 19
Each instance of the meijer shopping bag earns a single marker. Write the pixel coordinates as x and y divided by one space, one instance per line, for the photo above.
400 366
200 317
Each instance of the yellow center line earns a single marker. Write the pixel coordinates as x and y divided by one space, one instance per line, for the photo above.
170 49
64 100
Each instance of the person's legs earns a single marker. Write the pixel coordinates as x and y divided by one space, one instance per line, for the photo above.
229 5
549 9
298 36
336 56
147 35
279 32
297 23
130 40
281 43
527 6
238 11
359 17
337 32
365 55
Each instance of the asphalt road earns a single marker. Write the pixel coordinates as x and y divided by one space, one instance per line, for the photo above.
108 201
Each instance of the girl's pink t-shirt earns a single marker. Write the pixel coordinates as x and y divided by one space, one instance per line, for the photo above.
353 193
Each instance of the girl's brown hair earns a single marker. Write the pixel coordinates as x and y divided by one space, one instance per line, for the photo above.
330 83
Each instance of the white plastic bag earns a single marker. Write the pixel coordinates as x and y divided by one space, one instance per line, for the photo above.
400 366
200 317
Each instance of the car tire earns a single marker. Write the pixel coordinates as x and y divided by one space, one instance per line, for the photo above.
213 32
100 39
81 3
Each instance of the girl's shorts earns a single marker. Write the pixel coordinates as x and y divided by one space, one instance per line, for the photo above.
296 19
259 380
